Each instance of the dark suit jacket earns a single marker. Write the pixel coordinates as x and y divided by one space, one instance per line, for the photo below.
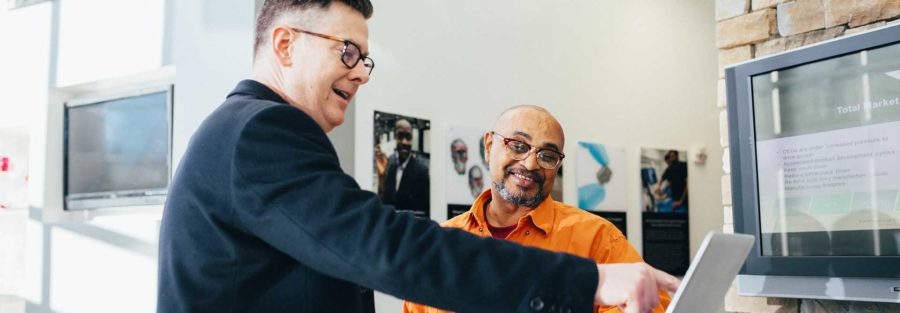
413 194
260 218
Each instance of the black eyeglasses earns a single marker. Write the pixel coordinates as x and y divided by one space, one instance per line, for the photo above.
350 54
518 150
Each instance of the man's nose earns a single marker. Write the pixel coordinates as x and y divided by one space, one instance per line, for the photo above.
530 162
359 74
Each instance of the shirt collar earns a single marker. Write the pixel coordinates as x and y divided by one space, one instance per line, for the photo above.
254 88
541 217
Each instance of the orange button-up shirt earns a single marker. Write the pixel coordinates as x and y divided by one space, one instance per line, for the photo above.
558 227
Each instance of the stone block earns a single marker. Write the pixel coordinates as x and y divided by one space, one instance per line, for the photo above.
838 12
726 9
728 214
771 46
800 16
817 36
762 4
722 98
784 305
875 10
733 56
777 45
726 190
820 306
863 28
726 161
745 29
860 12
723 128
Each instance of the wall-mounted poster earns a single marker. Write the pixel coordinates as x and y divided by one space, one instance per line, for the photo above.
467 169
664 200
401 160
600 177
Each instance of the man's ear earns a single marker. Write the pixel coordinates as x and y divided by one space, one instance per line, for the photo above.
488 141
281 45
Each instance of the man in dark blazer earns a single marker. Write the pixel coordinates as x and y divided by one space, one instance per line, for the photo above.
260 217
406 183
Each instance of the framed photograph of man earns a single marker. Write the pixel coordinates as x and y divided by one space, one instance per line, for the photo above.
664 181
401 161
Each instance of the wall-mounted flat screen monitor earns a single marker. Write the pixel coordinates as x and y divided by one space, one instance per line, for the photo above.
815 150
118 150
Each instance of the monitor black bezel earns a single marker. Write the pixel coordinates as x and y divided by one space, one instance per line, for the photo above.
743 160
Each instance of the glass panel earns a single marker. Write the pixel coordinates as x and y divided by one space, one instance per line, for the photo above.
118 145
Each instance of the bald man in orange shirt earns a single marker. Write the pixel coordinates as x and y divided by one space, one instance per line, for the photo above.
524 151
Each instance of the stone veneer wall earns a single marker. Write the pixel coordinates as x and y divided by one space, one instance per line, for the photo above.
748 29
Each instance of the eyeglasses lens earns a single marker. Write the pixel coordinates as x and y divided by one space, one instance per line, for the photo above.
546 159
351 55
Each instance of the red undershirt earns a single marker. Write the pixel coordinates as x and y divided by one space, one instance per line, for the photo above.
497 232
501 232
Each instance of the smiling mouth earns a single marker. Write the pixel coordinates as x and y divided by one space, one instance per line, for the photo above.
344 95
523 177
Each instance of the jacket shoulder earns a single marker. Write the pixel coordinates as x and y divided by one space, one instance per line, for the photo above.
254 110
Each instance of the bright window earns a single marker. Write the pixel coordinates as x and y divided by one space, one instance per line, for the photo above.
101 39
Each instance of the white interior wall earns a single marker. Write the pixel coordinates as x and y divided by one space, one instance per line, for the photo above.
213 52
626 73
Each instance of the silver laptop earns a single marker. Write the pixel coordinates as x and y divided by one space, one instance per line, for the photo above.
710 275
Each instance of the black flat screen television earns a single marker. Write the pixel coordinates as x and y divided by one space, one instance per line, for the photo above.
117 150
815 153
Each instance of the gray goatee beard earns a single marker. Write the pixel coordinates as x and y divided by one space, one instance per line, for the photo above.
521 199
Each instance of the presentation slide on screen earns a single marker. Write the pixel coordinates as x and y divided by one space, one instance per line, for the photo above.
827 144
838 180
